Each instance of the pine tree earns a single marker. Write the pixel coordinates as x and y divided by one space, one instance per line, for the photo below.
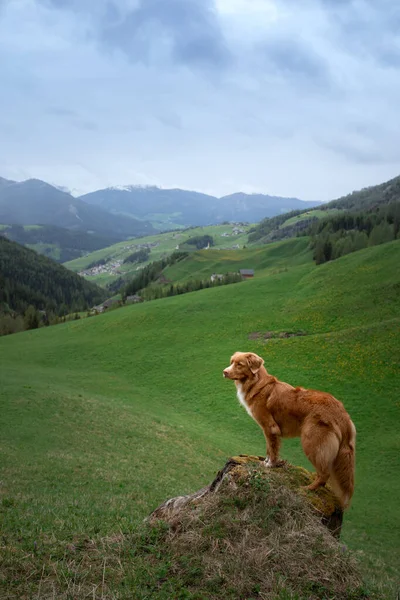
31 318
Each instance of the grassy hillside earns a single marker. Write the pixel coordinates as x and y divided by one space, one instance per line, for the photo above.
163 244
267 259
375 202
116 413
306 215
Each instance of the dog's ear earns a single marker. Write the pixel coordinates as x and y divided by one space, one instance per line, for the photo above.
255 362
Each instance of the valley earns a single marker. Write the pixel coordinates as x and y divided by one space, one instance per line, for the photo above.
229 236
179 182
104 426
116 412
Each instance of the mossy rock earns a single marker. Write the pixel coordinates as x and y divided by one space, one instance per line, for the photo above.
254 532
241 469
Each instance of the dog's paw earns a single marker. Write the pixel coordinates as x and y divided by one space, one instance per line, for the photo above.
274 464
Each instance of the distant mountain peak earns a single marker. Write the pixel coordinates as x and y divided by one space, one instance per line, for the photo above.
178 207
34 201
130 188
4 181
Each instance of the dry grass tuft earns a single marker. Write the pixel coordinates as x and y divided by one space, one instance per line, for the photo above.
256 537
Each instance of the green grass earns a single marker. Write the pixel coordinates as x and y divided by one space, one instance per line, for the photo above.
51 250
268 259
316 213
164 221
167 244
32 227
105 417
26 227
256 537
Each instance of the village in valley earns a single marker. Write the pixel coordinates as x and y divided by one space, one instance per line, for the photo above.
112 265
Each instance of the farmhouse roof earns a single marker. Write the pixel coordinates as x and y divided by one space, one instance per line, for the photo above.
246 271
134 298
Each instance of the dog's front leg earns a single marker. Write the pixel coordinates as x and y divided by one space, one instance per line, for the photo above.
273 445
272 434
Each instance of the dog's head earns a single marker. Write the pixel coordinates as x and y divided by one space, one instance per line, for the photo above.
244 365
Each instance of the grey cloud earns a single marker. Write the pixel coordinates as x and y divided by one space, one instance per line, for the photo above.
122 84
368 28
60 111
171 119
78 5
73 118
367 146
298 59
364 28
85 125
361 156
189 28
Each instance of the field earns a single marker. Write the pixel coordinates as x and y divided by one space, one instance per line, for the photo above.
166 244
319 214
50 250
104 418
268 259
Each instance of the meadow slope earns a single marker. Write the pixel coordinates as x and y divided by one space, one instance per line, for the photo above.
164 244
105 417
264 260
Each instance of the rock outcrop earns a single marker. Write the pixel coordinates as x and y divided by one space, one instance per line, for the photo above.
254 532
241 468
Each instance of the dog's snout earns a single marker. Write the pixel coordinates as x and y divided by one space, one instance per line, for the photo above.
225 372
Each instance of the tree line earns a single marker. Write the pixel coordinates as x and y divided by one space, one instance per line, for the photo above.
348 232
139 256
152 272
153 292
35 290
72 243
267 228
369 197
200 241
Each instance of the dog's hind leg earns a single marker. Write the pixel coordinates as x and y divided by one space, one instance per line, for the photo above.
321 446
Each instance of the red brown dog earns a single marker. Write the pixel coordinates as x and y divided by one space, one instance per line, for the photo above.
327 433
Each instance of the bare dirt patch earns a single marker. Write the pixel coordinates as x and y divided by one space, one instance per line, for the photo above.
269 335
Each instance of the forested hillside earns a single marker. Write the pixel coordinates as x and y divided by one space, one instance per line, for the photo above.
57 242
361 219
30 282
383 193
350 231
269 230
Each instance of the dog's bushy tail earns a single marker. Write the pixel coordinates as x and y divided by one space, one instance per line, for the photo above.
343 468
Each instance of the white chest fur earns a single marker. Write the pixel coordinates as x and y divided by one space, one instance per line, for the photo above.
242 399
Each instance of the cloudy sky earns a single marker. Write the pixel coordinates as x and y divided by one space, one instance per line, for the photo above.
287 97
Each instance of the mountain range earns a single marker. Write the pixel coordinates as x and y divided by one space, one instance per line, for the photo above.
36 202
130 211
187 208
